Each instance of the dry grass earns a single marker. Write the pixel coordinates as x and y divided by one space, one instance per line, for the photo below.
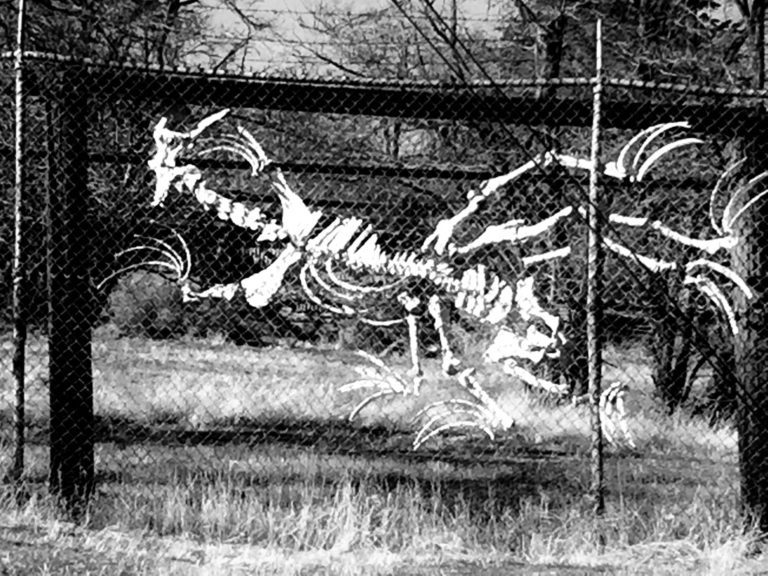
277 507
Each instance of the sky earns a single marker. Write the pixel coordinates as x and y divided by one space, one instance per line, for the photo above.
279 50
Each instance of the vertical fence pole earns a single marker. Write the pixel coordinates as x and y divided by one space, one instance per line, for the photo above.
70 299
19 272
595 285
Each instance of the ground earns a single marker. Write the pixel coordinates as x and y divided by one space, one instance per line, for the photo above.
217 459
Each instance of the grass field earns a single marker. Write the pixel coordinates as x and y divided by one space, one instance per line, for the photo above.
246 466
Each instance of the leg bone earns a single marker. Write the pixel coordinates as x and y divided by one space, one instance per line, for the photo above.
451 363
410 304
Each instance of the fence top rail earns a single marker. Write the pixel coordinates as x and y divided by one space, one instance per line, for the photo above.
380 98
692 89
203 72
199 71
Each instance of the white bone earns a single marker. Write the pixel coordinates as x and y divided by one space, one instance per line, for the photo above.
315 273
380 323
652 134
259 288
475 412
546 256
237 148
345 311
514 231
361 384
500 418
529 306
635 222
573 162
444 229
462 424
359 288
358 241
713 292
137 266
743 210
619 169
654 131
165 250
507 344
711 246
449 405
501 306
514 369
656 156
439 314
725 271
494 290
344 235
206 122
263 160
369 400
651 264
728 220
298 219
716 191
410 304
614 415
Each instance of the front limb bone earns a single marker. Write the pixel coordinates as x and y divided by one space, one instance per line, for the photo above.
258 288
514 231
445 228
410 304
439 315
217 291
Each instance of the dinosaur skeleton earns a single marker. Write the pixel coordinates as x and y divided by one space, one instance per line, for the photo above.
337 261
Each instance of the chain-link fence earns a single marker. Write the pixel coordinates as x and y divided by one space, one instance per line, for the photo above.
227 315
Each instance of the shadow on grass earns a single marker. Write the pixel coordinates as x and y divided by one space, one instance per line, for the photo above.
324 436
460 472
467 471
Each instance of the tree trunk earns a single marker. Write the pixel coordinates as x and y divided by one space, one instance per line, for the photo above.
750 261
71 379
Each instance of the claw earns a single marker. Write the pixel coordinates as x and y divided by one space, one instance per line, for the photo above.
443 417
162 257
361 384
421 439
465 404
614 416
621 168
389 384
369 400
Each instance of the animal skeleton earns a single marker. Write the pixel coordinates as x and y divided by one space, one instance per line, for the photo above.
332 256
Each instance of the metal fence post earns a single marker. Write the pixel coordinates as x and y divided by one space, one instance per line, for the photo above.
594 288
19 308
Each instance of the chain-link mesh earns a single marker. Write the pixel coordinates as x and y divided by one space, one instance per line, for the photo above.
222 343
